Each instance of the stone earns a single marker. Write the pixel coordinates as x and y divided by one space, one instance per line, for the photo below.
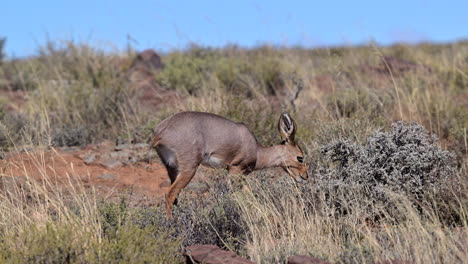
69 149
107 176
132 159
211 254
166 183
147 60
120 155
111 164
123 147
141 145
394 261
143 67
301 259
89 159
198 187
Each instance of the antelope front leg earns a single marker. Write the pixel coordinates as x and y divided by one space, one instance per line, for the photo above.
182 180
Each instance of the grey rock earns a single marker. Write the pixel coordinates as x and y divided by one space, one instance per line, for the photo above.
141 156
123 147
394 261
301 259
120 155
213 254
141 145
147 60
132 159
90 158
69 149
198 187
107 176
111 164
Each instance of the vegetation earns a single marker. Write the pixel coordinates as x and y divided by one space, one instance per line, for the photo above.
384 129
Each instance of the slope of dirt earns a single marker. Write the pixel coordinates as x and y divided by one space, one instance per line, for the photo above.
106 168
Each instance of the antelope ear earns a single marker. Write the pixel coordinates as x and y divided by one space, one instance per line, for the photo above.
287 128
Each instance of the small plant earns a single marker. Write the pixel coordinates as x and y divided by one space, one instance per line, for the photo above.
405 160
2 47
215 219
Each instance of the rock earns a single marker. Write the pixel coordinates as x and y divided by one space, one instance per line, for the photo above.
106 144
107 176
132 159
211 254
144 156
198 187
301 259
142 79
69 149
119 141
147 60
90 158
120 155
123 147
141 145
111 164
144 65
394 261
166 183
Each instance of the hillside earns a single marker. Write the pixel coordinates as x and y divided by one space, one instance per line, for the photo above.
380 189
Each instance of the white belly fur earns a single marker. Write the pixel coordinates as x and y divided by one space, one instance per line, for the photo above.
213 162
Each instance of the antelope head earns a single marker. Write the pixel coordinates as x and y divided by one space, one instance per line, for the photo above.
292 155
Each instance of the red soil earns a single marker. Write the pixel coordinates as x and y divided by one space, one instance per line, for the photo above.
147 180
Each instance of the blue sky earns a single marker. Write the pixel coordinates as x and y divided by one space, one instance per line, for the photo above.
166 25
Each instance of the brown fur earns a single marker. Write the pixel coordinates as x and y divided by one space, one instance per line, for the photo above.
187 139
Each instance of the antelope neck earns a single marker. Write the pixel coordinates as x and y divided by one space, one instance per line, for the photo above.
268 157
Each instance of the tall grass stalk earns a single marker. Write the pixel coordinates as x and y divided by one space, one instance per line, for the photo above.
282 226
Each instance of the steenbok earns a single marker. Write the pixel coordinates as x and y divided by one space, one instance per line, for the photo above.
187 139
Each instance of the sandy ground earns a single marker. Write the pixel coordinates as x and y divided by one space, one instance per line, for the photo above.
92 168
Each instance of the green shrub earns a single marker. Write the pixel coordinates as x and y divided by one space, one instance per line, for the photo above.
405 160
61 243
131 244
49 244
186 73
213 218
2 46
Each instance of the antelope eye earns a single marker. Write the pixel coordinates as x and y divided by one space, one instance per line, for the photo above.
300 159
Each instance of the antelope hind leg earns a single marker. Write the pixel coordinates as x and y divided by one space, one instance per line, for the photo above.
183 178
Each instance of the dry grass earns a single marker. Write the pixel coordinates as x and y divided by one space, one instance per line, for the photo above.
44 221
282 226
78 95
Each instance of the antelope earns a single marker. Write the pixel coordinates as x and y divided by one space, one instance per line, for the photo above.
186 140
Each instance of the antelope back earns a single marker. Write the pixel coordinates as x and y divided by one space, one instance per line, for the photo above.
204 137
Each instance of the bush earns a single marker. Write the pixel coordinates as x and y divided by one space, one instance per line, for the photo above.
210 219
186 73
61 243
132 244
52 244
2 46
67 136
405 160
12 129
